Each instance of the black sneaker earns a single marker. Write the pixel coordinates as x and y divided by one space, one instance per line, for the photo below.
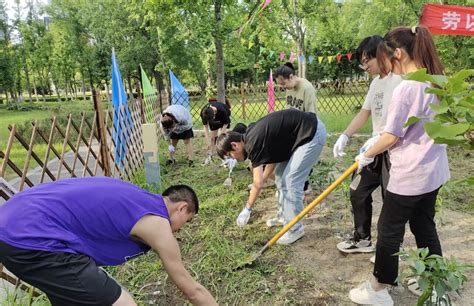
171 162
356 246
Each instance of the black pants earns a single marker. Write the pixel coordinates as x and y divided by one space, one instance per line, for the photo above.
67 279
374 175
397 210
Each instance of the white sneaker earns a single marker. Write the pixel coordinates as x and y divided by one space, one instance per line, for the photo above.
290 237
275 222
353 246
364 294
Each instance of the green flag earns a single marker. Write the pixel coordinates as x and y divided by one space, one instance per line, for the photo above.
149 96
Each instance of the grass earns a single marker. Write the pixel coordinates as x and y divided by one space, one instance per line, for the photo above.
212 246
41 111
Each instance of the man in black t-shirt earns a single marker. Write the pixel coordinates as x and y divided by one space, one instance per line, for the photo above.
215 116
287 141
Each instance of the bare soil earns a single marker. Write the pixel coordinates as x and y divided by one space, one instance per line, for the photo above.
335 273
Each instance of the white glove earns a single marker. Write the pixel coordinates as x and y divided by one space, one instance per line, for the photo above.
339 146
363 161
171 148
369 143
231 163
243 217
208 159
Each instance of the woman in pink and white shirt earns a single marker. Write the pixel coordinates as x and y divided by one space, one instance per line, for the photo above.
419 167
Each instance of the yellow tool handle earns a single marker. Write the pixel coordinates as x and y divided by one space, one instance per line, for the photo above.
315 202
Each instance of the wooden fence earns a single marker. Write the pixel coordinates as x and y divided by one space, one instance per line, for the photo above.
90 145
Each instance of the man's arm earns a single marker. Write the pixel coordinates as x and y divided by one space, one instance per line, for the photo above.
156 232
357 122
257 186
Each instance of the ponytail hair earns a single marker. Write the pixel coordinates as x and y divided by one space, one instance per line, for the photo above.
285 70
417 43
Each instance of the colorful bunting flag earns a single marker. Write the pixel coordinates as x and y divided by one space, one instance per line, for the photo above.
270 94
270 55
311 59
292 57
338 57
282 56
349 55
261 50
301 58
250 44
330 59
320 59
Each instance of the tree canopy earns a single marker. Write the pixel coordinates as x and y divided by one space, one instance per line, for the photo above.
67 44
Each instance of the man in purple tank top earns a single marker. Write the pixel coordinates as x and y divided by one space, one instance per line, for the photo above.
55 236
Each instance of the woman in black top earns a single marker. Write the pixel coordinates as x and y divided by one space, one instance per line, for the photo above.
216 119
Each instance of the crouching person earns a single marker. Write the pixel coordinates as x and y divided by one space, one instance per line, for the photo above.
289 142
55 236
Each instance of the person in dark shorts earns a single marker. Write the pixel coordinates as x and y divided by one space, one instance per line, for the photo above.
177 123
216 119
288 142
55 236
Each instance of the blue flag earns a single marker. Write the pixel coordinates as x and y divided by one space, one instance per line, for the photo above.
119 102
179 95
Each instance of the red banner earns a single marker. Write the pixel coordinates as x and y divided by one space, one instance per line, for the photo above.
448 19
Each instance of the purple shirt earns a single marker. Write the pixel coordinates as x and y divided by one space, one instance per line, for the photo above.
91 216
418 164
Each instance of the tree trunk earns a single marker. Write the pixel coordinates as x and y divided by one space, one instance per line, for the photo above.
83 85
34 89
107 91
300 33
27 75
130 89
219 52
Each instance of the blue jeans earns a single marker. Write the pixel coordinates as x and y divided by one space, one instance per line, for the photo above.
291 175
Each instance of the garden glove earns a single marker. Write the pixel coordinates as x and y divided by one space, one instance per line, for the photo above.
231 163
339 146
243 217
363 161
369 143
208 159
171 148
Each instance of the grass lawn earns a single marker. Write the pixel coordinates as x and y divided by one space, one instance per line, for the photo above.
42 111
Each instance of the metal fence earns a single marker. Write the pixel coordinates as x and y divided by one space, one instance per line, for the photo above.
249 102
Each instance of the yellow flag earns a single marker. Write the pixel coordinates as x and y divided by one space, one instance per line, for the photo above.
320 59
250 44
330 58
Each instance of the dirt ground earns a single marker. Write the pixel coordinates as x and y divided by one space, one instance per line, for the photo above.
335 273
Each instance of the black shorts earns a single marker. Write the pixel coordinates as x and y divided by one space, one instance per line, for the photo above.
184 135
67 279
214 126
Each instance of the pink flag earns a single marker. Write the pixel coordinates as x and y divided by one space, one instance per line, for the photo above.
282 56
292 57
266 3
270 94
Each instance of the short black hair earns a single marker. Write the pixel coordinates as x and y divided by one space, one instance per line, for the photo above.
240 128
368 47
285 70
223 143
178 193
207 114
167 121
